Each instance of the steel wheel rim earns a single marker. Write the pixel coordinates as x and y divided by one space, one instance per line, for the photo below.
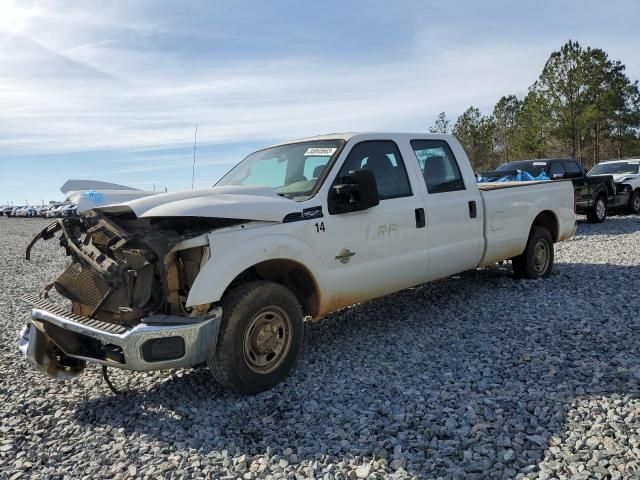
636 203
540 257
267 340
600 208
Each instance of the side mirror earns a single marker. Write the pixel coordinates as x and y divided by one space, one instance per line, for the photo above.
358 192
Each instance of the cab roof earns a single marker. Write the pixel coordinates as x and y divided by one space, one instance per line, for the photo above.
367 135
622 160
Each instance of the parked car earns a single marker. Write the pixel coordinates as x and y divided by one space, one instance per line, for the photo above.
226 275
40 210
56 211
27 211
12 210
594 195
626 175
69 210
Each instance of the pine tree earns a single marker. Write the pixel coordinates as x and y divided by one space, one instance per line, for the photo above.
505 115
441 125
475 132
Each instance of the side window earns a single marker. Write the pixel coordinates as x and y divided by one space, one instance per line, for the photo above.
438 165
556 170
574 169
383 158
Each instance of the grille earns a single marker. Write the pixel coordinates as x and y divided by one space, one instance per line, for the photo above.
57 309
81 285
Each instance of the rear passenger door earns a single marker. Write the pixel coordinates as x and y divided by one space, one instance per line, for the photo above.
455 240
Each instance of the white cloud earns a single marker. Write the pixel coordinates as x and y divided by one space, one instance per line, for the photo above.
70 81
100 100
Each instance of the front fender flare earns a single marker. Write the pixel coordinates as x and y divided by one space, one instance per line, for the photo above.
230 256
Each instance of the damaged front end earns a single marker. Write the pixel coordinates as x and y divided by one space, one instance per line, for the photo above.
127 285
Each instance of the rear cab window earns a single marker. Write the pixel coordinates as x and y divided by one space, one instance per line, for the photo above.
573 168
438 165
556 170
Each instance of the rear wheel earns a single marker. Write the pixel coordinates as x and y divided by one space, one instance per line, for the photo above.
598 213
260 337
634 203
537 259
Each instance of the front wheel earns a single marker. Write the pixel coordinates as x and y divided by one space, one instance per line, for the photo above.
260 337
598 213
634 203
537 259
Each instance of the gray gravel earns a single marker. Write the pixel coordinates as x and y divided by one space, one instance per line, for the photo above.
478 376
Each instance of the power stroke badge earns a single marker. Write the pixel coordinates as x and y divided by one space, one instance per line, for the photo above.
345 255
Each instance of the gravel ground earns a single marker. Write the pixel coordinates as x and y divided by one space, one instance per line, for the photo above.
477 376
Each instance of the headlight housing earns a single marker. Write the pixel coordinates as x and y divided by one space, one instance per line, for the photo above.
623 187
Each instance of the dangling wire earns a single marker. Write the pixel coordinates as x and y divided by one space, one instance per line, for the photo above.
107 380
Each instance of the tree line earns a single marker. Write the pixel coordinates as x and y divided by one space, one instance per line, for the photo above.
583 106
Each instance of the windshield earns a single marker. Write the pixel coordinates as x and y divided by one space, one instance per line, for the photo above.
617 168
292 170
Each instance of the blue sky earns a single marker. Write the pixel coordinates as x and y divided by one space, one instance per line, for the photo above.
112 90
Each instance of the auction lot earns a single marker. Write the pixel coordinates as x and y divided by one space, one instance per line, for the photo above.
476 376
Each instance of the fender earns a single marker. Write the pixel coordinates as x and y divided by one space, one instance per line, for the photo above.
563 214
541 205
230 256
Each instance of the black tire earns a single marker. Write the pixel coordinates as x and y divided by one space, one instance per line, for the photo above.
537 259
598 213
260 337
634 203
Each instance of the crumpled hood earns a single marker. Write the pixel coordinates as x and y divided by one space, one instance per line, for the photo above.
242 202
90 199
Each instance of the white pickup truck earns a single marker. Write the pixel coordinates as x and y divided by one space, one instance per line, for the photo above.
226 275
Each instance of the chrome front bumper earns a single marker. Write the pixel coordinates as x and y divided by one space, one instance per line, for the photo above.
159 342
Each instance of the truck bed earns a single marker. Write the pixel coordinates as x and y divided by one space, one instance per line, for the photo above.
510 209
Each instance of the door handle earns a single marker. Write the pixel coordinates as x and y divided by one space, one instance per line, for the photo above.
473 210
420 219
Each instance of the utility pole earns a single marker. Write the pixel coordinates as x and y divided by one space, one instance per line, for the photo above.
193 168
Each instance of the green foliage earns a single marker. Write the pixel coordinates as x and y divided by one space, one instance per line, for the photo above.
582 105
441 125
476 131
506 114
532 134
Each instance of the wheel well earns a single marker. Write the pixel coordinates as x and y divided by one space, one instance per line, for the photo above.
547 219
289 273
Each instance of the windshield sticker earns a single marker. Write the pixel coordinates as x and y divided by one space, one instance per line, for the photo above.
539 164
320 152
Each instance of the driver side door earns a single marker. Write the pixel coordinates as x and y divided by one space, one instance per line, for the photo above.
380 250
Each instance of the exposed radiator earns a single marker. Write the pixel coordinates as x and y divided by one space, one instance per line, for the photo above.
81 285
